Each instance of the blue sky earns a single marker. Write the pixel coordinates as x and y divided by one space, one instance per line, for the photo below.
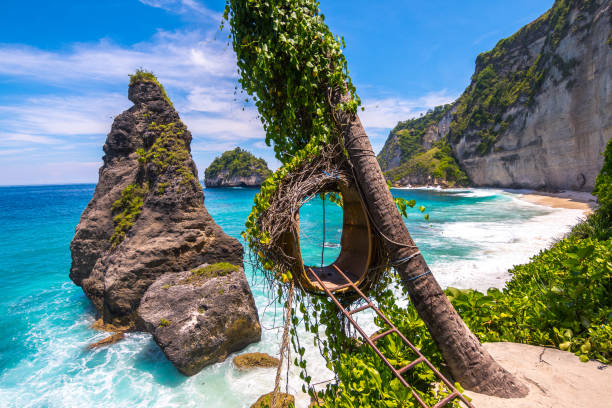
64 69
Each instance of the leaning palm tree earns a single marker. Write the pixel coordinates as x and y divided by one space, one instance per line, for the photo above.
294 69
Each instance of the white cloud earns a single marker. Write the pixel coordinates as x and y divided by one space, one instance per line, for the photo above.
385 113
60 116
11 152
381 115
198 72
180 59
183 7
20 138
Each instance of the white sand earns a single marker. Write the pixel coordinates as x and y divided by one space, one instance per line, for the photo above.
555 378
574 200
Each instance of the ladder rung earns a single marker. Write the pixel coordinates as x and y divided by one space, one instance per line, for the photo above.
359 309
344 286
381 335
412 364
446 400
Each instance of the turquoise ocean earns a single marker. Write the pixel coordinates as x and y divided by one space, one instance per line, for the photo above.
473 237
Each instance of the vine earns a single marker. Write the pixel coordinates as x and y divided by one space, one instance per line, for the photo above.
288 60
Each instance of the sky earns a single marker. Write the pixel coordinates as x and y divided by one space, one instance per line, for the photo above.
64 69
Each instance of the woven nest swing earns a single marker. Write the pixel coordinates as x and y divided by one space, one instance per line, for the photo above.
362 256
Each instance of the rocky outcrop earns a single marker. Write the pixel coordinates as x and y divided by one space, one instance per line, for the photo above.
255 360
236 168
198 317
147 215
225 179
282 401
538 111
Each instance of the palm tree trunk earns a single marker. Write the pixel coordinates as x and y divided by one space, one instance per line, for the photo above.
468 361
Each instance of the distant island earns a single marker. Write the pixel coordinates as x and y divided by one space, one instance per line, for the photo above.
236 168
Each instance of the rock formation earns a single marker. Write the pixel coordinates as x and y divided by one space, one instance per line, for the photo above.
282 401
236 168
538 112
248 361
147 216
198 317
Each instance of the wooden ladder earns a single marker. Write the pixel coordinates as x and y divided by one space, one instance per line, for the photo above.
371 341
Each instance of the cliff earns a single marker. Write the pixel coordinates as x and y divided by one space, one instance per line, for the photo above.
537 113
417 153
147 217
236 168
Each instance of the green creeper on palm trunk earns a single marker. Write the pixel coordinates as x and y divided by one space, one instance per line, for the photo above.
294 69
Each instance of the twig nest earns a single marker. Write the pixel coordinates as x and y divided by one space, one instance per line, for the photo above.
282 401
249 361
274 237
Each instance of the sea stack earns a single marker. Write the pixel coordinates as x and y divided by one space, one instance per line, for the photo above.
236 168
147 217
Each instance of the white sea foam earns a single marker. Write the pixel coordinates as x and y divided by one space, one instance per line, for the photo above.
500 245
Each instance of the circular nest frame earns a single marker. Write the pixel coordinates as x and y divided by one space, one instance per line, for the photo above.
362 256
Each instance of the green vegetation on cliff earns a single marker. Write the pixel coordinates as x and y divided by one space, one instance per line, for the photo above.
238 162
422 159
127 209
169 151
436 163
411 132
504 87
483 108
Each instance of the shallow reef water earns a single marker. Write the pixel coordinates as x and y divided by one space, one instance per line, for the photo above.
471 240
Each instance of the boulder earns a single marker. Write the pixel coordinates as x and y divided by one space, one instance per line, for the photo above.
282 401
199 317
247 361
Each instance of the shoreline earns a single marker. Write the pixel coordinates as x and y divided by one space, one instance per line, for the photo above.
569 200
566 199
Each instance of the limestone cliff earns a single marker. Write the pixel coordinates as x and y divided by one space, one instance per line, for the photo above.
538 111
236 168
417 153
147 215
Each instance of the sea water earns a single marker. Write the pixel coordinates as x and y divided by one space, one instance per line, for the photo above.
471 239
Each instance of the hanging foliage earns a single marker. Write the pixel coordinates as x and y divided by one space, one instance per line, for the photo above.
288 61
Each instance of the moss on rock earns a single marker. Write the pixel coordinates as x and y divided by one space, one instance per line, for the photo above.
282 401
128 207
255 360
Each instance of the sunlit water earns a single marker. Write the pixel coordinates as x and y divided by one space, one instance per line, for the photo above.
473 238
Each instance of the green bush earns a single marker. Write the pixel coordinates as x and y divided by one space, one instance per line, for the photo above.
562 298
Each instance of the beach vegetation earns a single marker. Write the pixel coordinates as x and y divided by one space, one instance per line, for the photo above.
164 323
216 269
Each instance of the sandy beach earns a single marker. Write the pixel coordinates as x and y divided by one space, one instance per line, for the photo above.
573 200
